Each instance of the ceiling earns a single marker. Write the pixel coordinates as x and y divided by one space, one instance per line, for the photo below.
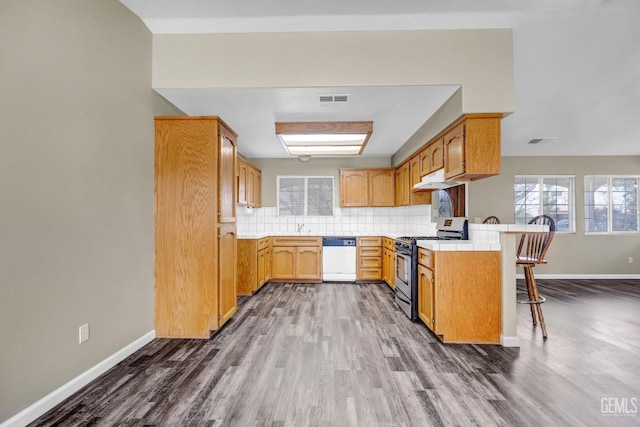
576 70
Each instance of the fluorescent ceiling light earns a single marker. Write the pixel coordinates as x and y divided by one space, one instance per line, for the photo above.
324 138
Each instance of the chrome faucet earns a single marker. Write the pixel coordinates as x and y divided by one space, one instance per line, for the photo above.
300 227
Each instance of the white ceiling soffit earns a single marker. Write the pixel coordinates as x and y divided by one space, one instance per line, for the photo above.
397 112
576 62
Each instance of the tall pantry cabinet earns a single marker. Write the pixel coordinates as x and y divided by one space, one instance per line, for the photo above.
195 226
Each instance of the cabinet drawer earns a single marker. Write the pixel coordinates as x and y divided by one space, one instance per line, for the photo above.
426 257
264 243
370 262
297 241
370 251
369 241
370 274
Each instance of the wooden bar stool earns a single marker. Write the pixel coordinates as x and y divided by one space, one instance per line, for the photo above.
491 220
531 252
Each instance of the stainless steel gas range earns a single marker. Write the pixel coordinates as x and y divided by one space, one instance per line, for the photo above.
455 228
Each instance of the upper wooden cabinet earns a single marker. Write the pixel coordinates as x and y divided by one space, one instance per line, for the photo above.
366 187
227 175
194 254
249 184
431 157
403 190
472 147
416 197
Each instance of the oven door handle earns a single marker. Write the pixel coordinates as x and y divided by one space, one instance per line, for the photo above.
402 299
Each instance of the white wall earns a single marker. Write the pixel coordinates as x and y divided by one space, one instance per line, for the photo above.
76 190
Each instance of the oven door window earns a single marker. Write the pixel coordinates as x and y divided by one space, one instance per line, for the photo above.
403 267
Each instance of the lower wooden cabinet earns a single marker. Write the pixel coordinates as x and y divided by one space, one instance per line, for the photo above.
227 268
425 296
369 258
297 258
254 264
389 262
459 295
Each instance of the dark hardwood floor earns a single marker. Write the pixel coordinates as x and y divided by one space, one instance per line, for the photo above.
343 354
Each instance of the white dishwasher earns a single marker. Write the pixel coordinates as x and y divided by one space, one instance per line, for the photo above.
339 259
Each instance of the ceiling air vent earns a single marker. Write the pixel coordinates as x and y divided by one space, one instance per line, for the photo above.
329 100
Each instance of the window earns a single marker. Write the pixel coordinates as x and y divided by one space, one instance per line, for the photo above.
611 204
545 195
305 195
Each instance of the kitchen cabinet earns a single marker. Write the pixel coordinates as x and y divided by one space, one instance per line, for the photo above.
389 262
227 176
297 258
227 267
459 295
369 258
367 187
402 196
417 197
431 157
249 184
425 296
195 271
254 264
472 147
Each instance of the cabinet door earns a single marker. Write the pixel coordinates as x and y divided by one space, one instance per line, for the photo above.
267 265
262 267
242 182
402 185
308 263
454 154
425 296
227 177
385 265
251 172
419 197
436 155
354 188
424 161
283 266
227 265
381 187
257 189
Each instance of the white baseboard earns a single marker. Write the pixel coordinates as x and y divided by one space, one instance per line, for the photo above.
584 276
40 407
509 341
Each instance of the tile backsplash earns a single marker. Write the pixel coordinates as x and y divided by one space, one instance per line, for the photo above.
410 220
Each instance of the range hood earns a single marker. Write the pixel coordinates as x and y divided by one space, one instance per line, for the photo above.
435 181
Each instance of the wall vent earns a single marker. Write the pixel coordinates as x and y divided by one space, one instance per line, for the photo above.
337 99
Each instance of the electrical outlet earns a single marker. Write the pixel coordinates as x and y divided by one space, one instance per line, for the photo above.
83 333
630 260
478 219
